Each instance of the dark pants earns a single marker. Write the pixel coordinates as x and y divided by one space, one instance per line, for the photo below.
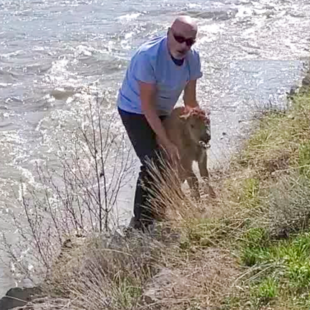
143 139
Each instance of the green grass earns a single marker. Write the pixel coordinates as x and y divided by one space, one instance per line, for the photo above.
271 178
266 291
304 159
280 269
128 293
249 193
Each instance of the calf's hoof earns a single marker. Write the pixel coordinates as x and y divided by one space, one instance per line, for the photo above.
195 195
210 191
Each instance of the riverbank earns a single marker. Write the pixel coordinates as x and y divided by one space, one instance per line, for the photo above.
247 249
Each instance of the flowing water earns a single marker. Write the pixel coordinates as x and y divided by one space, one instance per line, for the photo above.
51 51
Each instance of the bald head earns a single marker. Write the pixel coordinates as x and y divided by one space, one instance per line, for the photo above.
181 36
184 24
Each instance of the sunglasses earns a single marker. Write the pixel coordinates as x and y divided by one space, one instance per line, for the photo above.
180 39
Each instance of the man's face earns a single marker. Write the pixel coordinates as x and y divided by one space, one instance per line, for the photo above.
180 41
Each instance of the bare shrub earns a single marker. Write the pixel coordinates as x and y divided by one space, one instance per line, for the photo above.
79 197
289 209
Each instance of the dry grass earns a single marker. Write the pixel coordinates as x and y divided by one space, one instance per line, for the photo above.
168 268
140 272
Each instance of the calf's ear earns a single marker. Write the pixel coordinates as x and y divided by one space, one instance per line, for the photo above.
184 117
207 121
207 111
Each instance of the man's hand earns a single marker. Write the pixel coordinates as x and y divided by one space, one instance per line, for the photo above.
172 152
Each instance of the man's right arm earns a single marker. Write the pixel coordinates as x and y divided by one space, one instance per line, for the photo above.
147 95
144 73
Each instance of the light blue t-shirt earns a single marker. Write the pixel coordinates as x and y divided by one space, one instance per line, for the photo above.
152 63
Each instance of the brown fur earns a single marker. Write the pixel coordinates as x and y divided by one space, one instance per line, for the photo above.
185 128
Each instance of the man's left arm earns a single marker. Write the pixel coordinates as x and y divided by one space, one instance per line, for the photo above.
190 94
190 97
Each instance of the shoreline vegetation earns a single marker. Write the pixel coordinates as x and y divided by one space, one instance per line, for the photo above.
247 249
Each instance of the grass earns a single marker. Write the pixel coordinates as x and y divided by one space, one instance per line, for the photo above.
265 222
247 249
281 272
271 178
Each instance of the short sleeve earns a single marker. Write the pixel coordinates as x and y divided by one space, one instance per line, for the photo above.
143 69
195 66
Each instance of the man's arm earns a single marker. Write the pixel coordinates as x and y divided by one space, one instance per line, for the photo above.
145 75
190 98
147 93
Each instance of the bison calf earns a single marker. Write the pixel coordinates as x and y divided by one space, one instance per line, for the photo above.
189 130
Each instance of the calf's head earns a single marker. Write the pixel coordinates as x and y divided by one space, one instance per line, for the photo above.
196 125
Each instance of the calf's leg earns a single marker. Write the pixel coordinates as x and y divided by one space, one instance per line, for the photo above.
203 169
191 179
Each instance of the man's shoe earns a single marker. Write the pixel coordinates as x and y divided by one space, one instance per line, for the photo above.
135 224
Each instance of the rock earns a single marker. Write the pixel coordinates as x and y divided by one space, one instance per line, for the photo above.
159 285
21 296
207 276
293 91
306 80
48 303
17 297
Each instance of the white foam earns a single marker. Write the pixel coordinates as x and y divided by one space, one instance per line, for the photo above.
193 5
244 12
4 85
12 54
58 73
129 17
29 177
38 48
83 50
129 35
211 28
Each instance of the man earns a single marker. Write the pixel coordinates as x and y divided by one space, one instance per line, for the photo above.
158 73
